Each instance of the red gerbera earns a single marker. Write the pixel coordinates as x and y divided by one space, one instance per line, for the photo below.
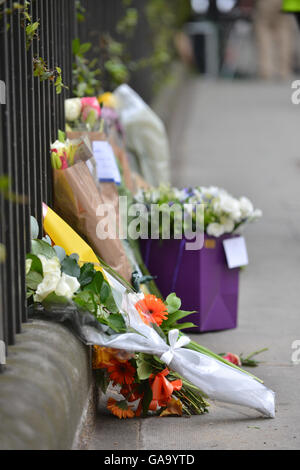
121 373
152 310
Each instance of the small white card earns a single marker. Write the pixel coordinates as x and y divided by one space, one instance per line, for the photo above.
107 168
236 252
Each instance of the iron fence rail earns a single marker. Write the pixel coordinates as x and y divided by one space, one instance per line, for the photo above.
32 115
29 122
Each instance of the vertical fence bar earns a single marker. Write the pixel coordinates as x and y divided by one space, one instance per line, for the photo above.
8 164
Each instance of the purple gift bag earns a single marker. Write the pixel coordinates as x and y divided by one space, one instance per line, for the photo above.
200 278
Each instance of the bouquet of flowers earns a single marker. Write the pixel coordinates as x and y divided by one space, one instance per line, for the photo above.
221 212
83 114
65 152
139 347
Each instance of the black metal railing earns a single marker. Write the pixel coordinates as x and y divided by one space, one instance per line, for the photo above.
101 17
32 115
29 121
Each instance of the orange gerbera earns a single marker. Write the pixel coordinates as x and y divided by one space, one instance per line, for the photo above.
121 409
152 310
105 357
121 373
131 392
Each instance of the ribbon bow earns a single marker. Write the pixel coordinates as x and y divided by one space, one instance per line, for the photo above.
174 343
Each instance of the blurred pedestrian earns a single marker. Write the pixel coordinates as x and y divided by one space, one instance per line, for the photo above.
274 33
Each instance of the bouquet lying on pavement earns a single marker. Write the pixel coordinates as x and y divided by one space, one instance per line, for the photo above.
139 346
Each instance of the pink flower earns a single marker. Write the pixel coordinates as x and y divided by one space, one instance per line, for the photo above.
233 358
64 163
88 105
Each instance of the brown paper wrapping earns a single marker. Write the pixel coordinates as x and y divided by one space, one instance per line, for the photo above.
123 160
76 199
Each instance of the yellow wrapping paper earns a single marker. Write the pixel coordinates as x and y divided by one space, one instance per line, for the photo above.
63 235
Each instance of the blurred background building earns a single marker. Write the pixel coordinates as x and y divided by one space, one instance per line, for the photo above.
241 38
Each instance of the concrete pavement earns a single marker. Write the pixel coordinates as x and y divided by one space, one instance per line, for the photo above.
243 136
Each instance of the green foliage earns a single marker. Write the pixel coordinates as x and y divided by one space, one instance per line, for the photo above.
31 32
128 23
41 70
80 11
87 273
164 17
61 136
36 264
40 247
144 367
175 314
112 65
33 279
70 266
96 297
85 73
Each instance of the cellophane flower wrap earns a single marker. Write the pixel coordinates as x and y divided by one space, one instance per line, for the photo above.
139 346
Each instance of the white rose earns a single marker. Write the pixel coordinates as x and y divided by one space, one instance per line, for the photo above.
210 192
228 224
67 286
214 229
257 213
230 206
50 266
246 207
47 286
73 108
57 145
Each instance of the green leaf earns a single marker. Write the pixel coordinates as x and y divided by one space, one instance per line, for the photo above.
33 279
60 253
105 291
87 273
111 304
61 136
75 46
36 264
116 322
39 247
173 303
174 317
144 369
87 301
70 266
54 299
181 326
96 284
84 48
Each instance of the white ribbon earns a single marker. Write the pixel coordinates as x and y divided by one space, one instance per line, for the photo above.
174 343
